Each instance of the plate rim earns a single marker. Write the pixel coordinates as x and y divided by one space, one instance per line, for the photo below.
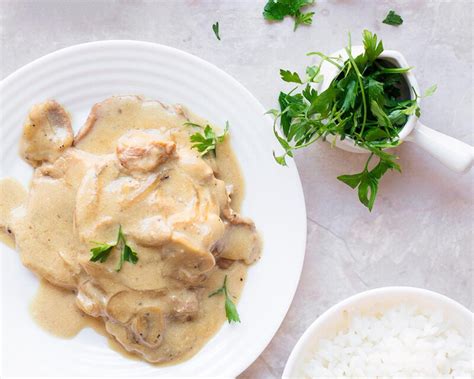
76 48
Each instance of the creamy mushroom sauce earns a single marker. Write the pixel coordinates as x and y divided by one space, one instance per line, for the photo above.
131 165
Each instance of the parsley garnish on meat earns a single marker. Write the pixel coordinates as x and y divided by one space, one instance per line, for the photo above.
102 251
215 29
230 308
206 141
276 10
393 19
364 103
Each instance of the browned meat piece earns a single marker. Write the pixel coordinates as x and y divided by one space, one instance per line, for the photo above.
47 132
143 151
184 304
112 118
47 219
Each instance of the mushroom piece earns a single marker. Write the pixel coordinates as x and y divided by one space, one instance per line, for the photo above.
91 299
148 326
143 151
122 306
241 242
184 261
224 263
47 132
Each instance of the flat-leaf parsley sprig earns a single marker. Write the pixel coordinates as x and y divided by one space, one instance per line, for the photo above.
393 18
276 10
100 253
362 103
206 141
230 308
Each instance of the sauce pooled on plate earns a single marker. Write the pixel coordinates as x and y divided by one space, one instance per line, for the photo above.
130 171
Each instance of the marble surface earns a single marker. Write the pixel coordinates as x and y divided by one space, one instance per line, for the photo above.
421 230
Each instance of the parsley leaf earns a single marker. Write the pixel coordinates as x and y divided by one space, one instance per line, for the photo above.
207 141
276 10
381 116
350 93
430 91
372 48
102 251
393 19
303 19
367 181
375 90
291 77
215 29
363 103
231 311
230 308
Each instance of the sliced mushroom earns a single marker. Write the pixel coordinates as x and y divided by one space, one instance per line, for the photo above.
241 242
130 342
148 326
47 132
91 299
122 306
185 262
224 263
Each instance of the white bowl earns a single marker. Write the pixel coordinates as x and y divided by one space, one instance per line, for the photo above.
368 303
454 154
330 72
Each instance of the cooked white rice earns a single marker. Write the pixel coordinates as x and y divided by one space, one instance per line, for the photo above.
404 342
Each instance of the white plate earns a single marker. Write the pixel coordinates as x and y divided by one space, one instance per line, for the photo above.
82 75
370 303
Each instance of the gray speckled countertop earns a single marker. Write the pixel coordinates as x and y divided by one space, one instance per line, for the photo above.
421 230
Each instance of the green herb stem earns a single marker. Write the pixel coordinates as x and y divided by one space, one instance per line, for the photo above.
229 306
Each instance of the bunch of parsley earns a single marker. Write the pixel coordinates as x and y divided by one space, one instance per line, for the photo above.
362 103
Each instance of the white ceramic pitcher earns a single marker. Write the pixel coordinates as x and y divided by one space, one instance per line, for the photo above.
454 154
